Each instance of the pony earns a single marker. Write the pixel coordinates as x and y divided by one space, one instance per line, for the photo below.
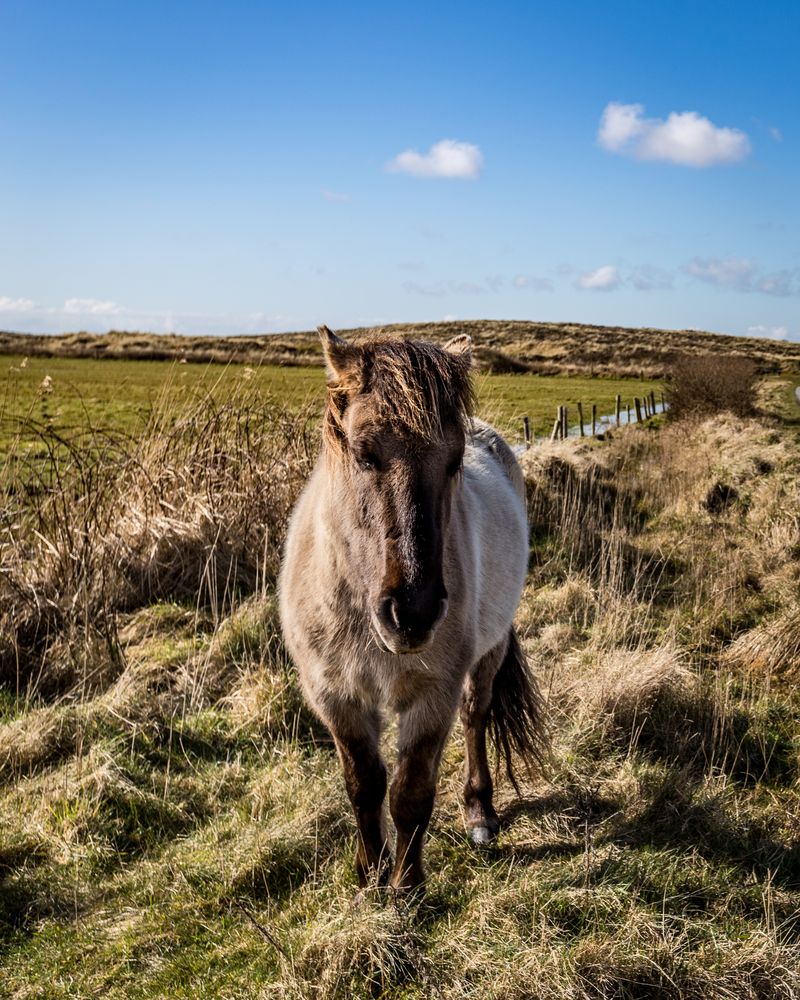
405 559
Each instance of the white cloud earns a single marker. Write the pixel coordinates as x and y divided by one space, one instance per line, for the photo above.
776 133
619 124
9 305
446 158
772 332
685 138
531 282
91 307
335 196
602 279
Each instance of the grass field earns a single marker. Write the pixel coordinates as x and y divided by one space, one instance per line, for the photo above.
121 395
173 821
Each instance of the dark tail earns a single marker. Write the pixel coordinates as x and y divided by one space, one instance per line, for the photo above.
516 713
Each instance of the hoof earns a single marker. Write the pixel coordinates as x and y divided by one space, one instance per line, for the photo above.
482 835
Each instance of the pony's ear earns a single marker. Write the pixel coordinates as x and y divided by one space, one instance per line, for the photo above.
341 358
462 344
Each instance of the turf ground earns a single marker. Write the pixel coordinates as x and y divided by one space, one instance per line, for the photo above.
69 394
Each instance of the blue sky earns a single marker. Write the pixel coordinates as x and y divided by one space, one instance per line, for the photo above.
211 168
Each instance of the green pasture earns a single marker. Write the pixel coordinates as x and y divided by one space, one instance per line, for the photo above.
70 394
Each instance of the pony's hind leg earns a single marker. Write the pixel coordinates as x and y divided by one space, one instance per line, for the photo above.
482 822
365 779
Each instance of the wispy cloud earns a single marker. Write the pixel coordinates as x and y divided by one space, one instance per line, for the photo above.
685 137
731 272
495 282
91 307
602 279
446 158
772 332
646 278
338 197
98 316
776 133
742 275
778 283
532 283
438 289
9 305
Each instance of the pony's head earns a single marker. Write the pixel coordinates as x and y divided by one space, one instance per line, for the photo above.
395 426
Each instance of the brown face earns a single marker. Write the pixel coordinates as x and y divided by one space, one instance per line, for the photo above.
403 488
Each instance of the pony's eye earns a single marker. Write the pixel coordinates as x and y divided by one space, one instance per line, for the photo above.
368 461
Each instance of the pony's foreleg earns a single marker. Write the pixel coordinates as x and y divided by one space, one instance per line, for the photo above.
365 780
482 821
411 800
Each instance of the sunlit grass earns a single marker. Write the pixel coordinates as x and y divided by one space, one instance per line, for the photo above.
175 823
69 395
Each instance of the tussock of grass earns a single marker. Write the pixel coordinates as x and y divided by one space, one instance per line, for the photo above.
771 648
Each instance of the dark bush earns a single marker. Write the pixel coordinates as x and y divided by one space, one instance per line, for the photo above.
711 383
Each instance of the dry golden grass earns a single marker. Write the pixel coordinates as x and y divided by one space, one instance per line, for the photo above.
192 510
174 820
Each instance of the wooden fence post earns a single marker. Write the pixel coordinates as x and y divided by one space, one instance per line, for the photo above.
652 403
580 418
526 431
594 418
564 422
619 404
628 411
638 406
556 428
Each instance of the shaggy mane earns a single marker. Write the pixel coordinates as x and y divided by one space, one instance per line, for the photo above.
417 387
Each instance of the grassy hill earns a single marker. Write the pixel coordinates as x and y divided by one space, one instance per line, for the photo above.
173 821
501 346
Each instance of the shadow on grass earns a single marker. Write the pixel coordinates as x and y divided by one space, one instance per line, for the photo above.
677 813
22 893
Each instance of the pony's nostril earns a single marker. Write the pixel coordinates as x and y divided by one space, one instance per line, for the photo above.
411 619
390 612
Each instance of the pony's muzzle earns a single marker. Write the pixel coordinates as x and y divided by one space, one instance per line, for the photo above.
407 624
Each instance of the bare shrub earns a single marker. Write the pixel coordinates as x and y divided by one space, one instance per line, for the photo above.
703 384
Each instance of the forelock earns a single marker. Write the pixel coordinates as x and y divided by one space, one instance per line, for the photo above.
417 388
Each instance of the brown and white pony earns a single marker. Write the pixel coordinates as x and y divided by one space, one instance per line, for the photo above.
405 560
